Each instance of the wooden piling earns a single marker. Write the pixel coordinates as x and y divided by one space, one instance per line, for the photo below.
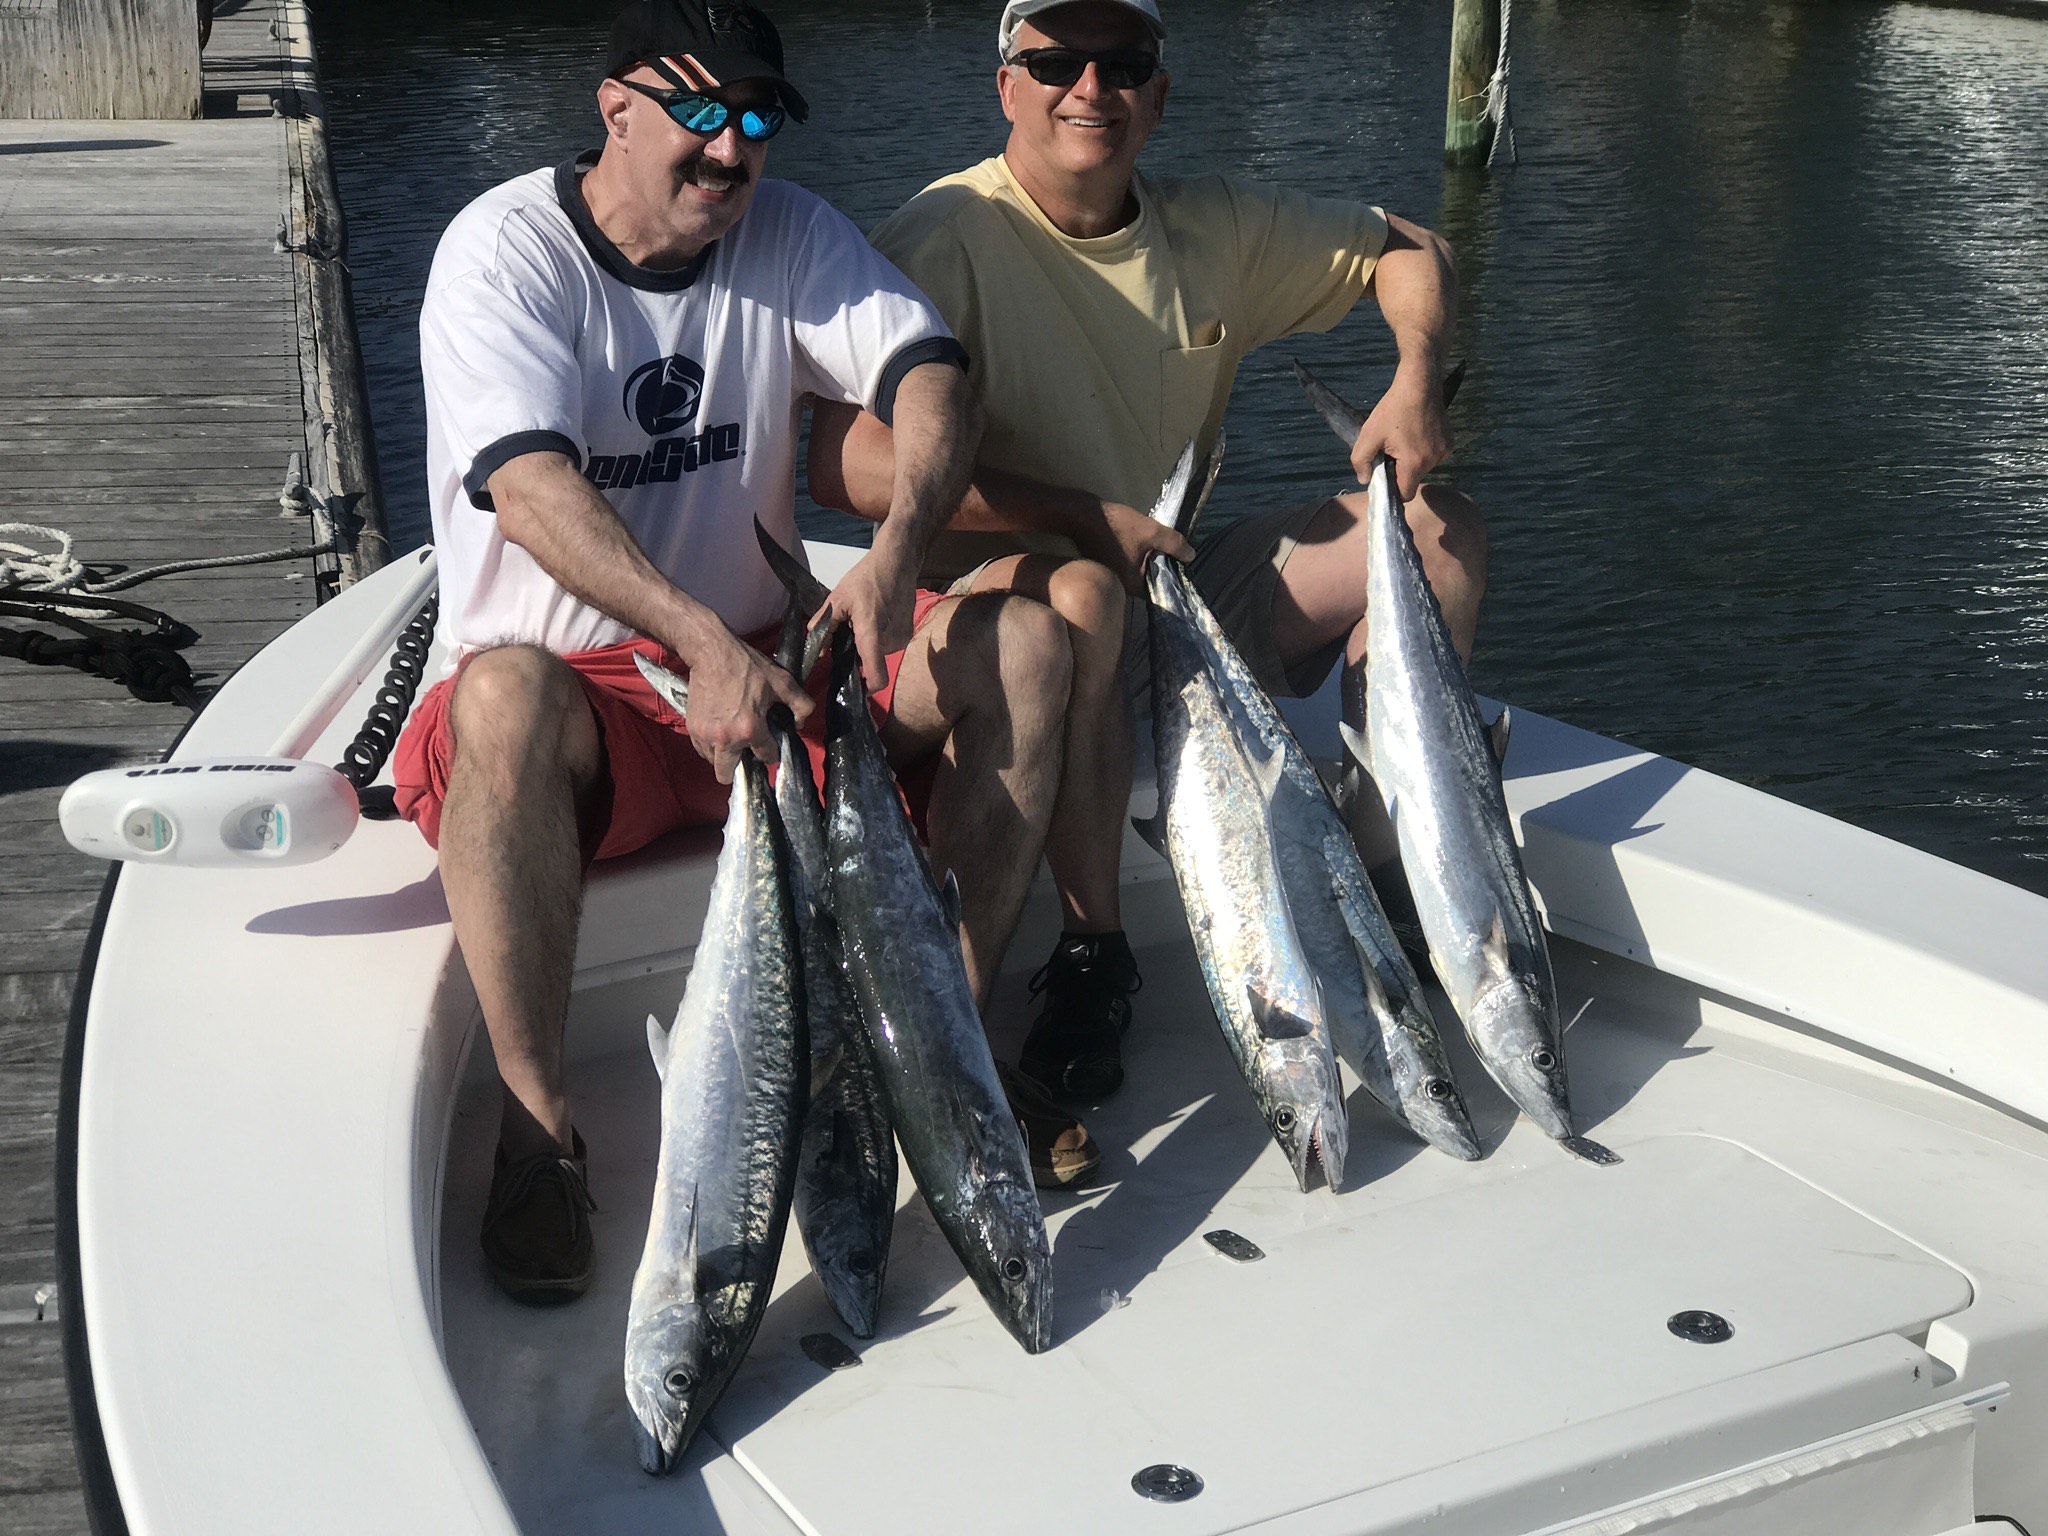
99 58
1475 47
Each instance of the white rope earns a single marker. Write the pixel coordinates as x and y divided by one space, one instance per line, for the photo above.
26 569
1497 93
38 570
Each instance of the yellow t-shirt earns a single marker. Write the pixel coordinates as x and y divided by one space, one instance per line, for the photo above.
1096 360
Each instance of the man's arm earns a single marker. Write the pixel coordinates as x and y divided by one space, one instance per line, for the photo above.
852 467
546 507
1416 282
938 426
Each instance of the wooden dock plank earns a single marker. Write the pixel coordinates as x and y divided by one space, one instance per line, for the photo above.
150 395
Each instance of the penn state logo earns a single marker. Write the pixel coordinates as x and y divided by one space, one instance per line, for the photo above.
663 394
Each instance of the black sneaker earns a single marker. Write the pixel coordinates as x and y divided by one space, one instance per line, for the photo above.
1076 1044
536 1236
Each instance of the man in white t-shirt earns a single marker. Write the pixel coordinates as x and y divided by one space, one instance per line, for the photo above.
615 354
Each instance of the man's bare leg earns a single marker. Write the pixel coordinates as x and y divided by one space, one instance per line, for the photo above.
526 751
1322 596
1084 844
986 682
1075 1043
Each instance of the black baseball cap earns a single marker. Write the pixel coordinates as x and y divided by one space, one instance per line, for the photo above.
702 47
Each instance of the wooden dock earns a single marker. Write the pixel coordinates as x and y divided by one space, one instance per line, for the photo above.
159 368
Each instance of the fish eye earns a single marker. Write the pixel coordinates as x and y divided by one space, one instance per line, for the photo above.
1013 1268
861 1263
1283 1118
679 1382
1543 1059
1436 1088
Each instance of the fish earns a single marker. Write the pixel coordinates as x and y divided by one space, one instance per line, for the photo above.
1380 1024
1215 824
1438 769
735 1072
845 1203
900 931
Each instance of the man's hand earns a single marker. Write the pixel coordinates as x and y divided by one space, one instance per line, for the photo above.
732 688
878 598
1408 427
1127 536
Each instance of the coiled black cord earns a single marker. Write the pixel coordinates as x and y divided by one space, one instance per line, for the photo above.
366 755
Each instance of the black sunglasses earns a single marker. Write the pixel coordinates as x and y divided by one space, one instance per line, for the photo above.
707 115
1119 69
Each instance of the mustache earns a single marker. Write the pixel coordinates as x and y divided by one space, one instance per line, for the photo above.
699 169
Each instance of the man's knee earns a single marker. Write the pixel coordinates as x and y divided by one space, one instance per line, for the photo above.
1009 648
516 701
1450 532
1089 597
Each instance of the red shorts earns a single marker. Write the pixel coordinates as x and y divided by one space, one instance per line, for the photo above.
654 780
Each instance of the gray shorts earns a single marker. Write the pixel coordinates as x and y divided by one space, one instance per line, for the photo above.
1237 571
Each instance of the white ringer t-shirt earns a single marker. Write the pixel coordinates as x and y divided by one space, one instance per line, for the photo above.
677 393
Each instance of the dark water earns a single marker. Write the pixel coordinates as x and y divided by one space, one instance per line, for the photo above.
1758 327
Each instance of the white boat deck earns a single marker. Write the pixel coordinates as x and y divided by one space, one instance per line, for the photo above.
1506 1317
1458 1348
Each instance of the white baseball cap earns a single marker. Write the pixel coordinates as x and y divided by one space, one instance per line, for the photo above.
1019 11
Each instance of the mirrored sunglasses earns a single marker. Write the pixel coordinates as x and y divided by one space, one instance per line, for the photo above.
707 115
1119 69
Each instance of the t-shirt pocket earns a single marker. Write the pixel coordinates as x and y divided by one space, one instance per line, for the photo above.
1189 378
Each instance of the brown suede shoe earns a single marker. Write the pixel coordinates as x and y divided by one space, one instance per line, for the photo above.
536 1236
1062 1151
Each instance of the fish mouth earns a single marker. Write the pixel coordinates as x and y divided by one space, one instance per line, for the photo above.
1027 1311
1033 1328
658 1453
1542 1099
1319 1148
1444 1126
856 1298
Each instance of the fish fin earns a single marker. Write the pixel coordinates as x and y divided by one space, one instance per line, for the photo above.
949 898
1494 949
1376 999
1355 742
1153 830
805 590
688 1268
815 641
1274 1022
1345 792
800 647
1497 734
675 691
1271 774
1173 496
1342 418
657 1046
1211 468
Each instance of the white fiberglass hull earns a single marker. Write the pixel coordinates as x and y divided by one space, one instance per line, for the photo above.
283 1156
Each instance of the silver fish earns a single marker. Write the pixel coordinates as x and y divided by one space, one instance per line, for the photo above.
901 933
734 1070
1434 764
1217 788
845 1203
1379 1022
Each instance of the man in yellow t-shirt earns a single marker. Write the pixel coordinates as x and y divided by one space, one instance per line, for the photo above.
1106 312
